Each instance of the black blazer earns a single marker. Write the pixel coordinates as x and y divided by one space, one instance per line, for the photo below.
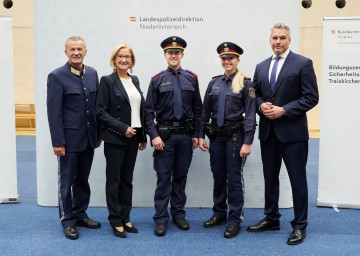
296 91
113 110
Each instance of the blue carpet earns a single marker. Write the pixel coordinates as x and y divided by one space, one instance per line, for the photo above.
28 229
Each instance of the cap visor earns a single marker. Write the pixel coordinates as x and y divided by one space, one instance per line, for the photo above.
173 49
228 55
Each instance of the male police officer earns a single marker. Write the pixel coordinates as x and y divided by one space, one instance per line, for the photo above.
71 93
174 101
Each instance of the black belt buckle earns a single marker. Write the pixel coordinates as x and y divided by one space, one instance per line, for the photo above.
226 132
176 129
176 124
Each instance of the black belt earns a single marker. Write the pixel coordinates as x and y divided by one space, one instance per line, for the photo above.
231 127
226 122
172 123
178 130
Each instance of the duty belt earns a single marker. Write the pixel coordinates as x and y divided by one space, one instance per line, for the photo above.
167 128
227 130
172 123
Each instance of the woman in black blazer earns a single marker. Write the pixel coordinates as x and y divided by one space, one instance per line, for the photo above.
120 112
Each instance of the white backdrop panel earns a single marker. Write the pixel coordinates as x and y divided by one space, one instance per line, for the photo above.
8 174
339 159
143 25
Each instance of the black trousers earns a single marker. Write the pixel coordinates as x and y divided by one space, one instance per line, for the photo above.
294 155
74 188
171 166
120 162
227 167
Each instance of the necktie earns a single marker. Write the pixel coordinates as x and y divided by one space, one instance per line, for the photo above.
273 73
178 110
221 105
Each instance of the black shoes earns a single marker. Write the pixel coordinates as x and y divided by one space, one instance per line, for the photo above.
264 225
88 223
131 229
214 221
296 237
231 231
118 233
71 233
182 224
160 229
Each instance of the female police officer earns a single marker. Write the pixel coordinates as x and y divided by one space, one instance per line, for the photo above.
231 133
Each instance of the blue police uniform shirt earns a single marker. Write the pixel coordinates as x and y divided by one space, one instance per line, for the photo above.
160 99
236 104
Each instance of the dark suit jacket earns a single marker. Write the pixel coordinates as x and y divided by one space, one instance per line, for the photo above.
71 108
113 109
295 90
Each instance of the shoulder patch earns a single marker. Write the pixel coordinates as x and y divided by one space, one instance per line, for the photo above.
191 72
247 78
157 74
252 94
215 76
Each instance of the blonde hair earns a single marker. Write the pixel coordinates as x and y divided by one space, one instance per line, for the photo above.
237 82
116 50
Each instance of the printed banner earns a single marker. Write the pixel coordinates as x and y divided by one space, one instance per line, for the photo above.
143 25
339 159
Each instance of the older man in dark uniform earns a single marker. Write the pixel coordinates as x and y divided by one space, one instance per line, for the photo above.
172 115
71 93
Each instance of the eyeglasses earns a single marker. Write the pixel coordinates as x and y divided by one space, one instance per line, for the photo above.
126 57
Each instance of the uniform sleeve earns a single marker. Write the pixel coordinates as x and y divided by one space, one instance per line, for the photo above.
205 112
250 112
98 126
150 108
197 106
54 104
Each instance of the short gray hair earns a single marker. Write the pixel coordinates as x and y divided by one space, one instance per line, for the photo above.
281 26
74 38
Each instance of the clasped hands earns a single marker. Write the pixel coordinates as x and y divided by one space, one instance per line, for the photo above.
271 111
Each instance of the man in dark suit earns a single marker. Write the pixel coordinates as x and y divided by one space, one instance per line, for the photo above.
71 94
286 89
